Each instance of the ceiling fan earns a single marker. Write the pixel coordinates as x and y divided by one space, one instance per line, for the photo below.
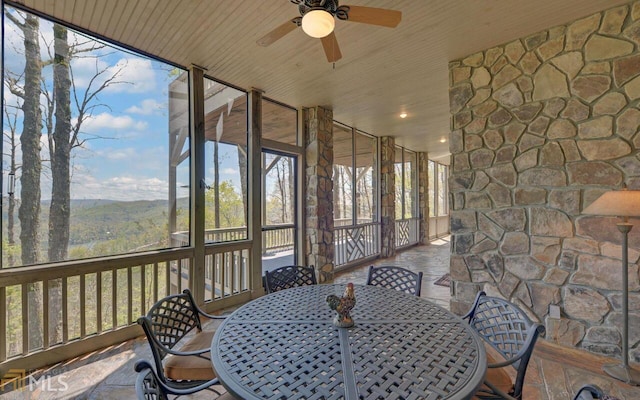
318 20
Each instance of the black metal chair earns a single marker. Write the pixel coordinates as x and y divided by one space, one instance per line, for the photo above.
149 386
588 392
507 329
288 277
592 392
395 278
165 325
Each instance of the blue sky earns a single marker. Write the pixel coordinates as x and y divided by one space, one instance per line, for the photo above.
126 156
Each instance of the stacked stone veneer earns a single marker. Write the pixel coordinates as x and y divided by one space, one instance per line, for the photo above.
423 197
320 247
541 127
388 196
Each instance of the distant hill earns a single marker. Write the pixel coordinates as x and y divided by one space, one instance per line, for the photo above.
98 220
104 219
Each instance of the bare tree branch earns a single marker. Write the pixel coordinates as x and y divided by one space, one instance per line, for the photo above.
11 80
48 46
85 110
77 49
13 19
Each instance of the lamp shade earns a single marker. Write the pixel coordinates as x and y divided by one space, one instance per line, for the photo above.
620 203
318 23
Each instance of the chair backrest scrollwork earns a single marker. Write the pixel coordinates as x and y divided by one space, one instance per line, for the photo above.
508 330
397 278
288 277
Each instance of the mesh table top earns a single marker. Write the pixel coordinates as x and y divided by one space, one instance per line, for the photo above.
284 346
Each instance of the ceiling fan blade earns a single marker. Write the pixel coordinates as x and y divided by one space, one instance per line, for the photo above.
331 48
279 32
375 16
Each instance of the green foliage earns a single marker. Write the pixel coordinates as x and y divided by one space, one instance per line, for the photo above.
274 210
231 207
9 251
14 320
105 227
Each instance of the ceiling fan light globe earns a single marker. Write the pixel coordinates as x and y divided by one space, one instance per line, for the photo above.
318 23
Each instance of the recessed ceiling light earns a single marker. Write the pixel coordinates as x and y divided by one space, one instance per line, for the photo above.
443 140
403 115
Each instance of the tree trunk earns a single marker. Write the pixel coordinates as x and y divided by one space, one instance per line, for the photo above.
283 196
216 185
242 165
11 240
337 209
12 209
292 192
59 211
29 210
343 198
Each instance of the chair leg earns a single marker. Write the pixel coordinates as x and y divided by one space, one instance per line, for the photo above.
495 394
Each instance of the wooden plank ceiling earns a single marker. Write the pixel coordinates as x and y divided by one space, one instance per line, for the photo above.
383 71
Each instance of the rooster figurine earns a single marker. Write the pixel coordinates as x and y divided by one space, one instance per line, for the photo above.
343 306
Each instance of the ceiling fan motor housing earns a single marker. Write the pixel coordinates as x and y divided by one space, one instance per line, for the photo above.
320 21
330 6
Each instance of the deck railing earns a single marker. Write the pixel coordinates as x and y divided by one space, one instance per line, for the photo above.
349 221
356 242
407 232
274 237
88 304
227 271
278 238
53 304
217 235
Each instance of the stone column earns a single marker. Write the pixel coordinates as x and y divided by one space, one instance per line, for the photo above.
320 247
423 197
388 196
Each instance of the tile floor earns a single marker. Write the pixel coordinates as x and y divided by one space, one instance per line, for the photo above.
554 373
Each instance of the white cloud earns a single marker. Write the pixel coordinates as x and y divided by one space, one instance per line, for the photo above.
85 68
120 154
130 75
147 107
230 171
155 157
109 121
138 73
125 188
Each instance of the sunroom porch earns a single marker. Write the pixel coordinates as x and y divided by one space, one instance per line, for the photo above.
259 173
556 372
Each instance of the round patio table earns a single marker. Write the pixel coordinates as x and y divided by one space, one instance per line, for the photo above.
284 346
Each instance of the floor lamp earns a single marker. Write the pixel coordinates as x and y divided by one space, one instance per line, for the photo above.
621 203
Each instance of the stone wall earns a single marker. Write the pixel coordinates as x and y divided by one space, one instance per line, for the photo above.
320 247
388 197
542 126
423 197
